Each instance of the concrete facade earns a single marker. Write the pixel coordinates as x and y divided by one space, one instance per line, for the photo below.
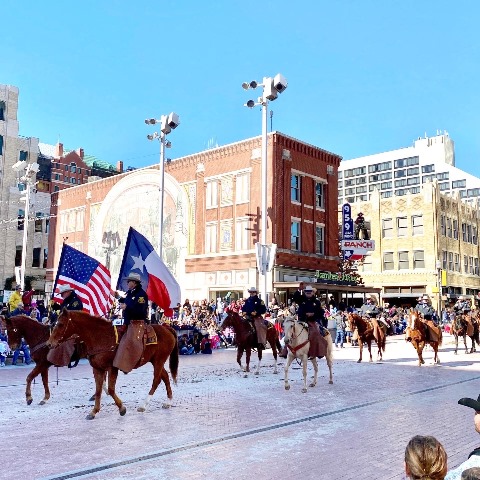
212 216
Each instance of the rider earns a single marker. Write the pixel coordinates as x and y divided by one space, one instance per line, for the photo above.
427 311
462 305
135 309
311 312
71 301
369 308
252 310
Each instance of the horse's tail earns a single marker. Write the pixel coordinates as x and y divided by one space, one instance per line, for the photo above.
440 337
173 361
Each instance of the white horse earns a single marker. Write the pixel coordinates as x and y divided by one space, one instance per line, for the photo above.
296 340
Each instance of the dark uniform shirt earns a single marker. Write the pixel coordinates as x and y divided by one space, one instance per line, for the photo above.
425 309
311 305
369 309
299 297
72 302
462 306
254 304
136 308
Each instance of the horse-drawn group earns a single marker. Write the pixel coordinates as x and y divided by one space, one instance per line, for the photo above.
97 339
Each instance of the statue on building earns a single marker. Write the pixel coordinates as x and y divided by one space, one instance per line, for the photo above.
361 228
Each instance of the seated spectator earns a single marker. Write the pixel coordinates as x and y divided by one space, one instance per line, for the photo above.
23 347
206 345
425 458
19 310
4 349
185 346
474 457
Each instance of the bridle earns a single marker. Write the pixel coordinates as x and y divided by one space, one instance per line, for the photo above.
61 339
292 335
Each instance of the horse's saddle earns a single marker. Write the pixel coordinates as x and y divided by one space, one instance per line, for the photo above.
149 334
435 333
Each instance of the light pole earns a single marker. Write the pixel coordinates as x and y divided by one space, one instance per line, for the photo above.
271 88
167 124
29 180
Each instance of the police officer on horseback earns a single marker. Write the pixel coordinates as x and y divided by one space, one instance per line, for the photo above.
462 305
428 313
252 310
71 301
369 308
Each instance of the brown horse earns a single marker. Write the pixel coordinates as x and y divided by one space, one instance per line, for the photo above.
416 334
369 330
36 335
101 341
465 325
246 339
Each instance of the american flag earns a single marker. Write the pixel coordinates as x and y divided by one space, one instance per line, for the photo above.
90 279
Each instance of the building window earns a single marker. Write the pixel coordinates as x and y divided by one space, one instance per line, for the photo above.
459 184
387 228
242 188
295 236
465 264
464 232
66 168
469 233
455 229
1 144
45 257
379 167
403 261
444 259
449 227
21 220
428 168
402 226
72 180
400 173
443 226
418 259
47 226
475 272
320 240
79 171
241 234
320 195
56 188
470 265
36 257
406 162
211 238
295 188
65 179
2 113
450 261
18 256
417 224
474 235
457 266
413 171
386 194
367 263
38 225
212 194
22 156
58 176
388 261
442 176
73 168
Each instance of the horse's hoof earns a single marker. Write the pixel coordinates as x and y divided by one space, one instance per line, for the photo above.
245 376
141 409
123 411
29 401
43 402
287 387
358 361
166 406
455 353
90 416
304 390
370 361
330 382
92 398
312 384
275 372
257 373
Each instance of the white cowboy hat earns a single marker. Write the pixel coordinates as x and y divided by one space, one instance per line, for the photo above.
425 297
65 288
252 289
308 288
133 276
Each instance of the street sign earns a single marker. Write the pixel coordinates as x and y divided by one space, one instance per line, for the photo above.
265 255
348 232
352 255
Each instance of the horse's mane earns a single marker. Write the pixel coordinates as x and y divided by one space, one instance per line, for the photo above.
81 313
27 318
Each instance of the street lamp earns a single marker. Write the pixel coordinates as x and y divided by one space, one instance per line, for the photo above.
167 124
29 180
271 88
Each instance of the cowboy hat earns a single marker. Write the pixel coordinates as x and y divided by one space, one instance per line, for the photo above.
308 288
470 402
252 289
65 288
425 297
134 277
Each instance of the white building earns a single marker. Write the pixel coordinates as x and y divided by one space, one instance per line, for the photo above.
403 171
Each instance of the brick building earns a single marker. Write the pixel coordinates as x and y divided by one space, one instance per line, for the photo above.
212 216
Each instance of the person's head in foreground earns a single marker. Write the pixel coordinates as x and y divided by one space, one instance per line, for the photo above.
425 459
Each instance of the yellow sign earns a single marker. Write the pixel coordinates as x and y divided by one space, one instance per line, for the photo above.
435 289
444 278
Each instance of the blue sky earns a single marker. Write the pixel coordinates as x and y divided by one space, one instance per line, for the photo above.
364 76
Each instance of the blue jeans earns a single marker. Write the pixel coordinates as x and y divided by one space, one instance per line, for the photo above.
339 338
26 354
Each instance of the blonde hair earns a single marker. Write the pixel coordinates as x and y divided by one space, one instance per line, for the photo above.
425 459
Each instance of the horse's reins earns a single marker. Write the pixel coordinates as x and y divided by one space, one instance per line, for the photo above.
293 337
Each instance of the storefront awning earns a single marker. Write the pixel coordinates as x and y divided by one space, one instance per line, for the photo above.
329 287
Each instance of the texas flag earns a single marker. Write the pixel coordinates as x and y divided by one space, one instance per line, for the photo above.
157 280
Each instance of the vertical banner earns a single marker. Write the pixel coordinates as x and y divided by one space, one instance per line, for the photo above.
348 232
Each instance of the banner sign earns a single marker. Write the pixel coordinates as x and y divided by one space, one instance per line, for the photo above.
348 233
360 246
335 278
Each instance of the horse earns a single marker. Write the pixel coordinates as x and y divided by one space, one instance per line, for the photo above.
101 342
296 340
36 335
246 340
369 330
417 336
463 326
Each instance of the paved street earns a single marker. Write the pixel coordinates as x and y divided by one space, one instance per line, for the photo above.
222 425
